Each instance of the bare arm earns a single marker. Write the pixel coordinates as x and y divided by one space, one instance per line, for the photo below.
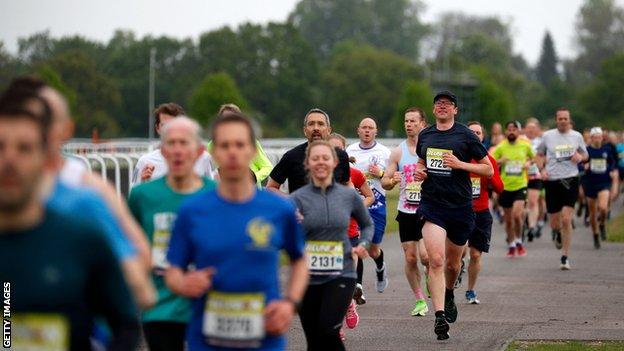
388 181
272 184
482 168
369 197
189 284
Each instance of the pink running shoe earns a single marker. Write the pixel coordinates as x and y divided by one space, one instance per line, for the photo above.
352 318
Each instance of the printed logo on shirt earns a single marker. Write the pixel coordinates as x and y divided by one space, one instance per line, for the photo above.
260 232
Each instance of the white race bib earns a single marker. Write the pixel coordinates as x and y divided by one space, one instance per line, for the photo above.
40 332
325 257
234 319
476 187
435 163
412 193
513 168
160 239
564 152
598 165
533 170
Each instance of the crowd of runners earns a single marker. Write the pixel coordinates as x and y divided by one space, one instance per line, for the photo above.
192 258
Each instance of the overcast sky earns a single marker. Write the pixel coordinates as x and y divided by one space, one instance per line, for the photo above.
188 18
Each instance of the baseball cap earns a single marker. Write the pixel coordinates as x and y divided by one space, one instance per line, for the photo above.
447 94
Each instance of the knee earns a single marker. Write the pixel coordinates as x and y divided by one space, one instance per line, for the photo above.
452 267
566 218
411 260
374 251
475 256
436 262
424 260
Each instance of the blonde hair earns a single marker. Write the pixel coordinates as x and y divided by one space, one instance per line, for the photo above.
316 143
338 137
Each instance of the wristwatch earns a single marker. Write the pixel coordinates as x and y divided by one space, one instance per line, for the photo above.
296 304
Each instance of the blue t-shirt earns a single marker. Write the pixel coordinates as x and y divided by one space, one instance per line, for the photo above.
241 241
619 149
601 163
88 204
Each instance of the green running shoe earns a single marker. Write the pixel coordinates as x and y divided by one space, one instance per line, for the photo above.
420 308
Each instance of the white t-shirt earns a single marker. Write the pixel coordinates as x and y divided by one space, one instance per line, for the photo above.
202 167
72 172
364 157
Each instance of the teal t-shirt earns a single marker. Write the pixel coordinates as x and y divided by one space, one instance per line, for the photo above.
154 205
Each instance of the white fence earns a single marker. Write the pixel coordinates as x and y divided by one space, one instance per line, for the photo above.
115 160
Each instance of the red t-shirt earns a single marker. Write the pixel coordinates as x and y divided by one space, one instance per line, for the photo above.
482 202
358 179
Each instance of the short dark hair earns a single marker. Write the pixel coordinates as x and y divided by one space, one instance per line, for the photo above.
515 123
561 108
421 112
472 123
16 103
230 118
316 110
170 108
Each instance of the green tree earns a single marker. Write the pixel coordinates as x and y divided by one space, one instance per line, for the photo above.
494 103
602 100
362 80
214 91
415 94
390 24
546 69
599 33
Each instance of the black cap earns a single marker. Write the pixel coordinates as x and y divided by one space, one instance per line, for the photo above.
447 94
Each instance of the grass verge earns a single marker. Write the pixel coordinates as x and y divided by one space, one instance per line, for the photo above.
615 229
566 346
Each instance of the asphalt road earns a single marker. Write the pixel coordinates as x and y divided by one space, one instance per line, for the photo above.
527 298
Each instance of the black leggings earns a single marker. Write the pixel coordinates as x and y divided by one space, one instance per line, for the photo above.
164 335
322 311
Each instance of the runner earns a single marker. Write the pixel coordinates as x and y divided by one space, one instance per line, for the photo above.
69 188
233 237
371 158
261 166
59 285
316 126
327 208
400 170
152 165
619 147
514 156
357 181
154 204
535 194
479 239
559 153
600 183
445 150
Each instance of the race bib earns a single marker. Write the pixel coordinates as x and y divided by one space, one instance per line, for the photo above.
435 162
412 193
476 187
160 240
533 170
513 168
325 257
598 165
234 319
40 332
563 152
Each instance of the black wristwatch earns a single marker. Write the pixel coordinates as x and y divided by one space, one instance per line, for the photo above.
296 304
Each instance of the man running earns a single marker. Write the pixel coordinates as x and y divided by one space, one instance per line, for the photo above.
233 237
600 183
152 165
561 150
60 267
400 170
316 126
515 156
479 239
445 150
371 158
535 194
155 204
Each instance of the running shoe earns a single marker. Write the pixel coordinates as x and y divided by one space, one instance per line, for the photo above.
471 296
531 234
420 308
450 310
352 318
558 243
382 279
520 250
441 327
603 232
565 264
358 294
512 252
596 241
